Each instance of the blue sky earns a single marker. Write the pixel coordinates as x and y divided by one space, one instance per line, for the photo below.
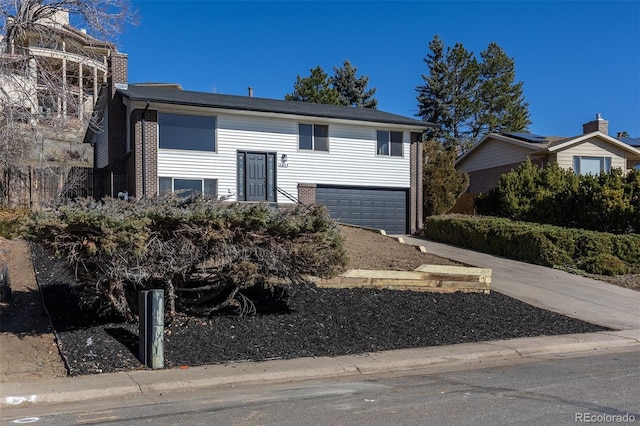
576 58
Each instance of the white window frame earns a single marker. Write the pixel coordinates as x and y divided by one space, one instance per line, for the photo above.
313 138
605 163
202 184
389 132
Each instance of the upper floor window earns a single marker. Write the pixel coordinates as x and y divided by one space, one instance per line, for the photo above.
583 165
389 143
314 137
191 132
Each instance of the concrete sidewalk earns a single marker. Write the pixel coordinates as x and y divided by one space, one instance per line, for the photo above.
572 295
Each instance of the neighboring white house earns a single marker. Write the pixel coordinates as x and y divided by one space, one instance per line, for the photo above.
365 165
591 152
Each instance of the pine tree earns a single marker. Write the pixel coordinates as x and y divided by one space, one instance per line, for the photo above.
467 99
352 91
462 81
315 89
501 102
433 96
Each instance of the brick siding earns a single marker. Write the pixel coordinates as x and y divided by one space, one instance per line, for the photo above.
150 152
117 169
307 193
596 126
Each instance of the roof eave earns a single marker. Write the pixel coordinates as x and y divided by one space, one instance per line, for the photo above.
414 124
604 136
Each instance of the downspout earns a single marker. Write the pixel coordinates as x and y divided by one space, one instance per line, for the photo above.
419 183
143 150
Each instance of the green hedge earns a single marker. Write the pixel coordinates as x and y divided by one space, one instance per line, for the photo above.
547 245
609 202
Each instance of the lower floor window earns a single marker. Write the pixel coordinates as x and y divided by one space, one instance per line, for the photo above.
583 165
187 187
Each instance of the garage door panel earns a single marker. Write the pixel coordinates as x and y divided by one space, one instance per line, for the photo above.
377 208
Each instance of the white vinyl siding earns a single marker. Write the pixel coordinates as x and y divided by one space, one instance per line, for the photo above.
493 154
351 161
592 148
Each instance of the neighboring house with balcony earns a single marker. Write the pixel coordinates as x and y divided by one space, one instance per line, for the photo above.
365 165
591 152
50 78
56 72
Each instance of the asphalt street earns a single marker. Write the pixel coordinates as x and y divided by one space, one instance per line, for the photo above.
546 390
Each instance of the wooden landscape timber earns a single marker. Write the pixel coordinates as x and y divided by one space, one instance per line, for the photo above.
426 278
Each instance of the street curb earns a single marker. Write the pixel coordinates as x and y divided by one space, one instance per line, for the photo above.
145 382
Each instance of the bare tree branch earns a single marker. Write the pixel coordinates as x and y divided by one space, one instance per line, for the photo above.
53 60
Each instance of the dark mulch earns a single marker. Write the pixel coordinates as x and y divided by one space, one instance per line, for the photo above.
314 322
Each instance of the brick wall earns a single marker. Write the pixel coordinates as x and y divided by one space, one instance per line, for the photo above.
307 193
150 153
118 70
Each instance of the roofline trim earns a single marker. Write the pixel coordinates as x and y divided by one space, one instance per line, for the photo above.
597 134
416 123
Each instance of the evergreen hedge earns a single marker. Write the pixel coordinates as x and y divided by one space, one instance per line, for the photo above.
547 245
205 254
609 202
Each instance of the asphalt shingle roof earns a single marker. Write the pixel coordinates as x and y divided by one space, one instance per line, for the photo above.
246 103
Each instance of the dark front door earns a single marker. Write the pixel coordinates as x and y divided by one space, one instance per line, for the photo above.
256 177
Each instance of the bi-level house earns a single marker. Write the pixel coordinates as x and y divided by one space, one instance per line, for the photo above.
365 165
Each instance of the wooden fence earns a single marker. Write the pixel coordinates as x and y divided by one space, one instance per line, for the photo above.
31 187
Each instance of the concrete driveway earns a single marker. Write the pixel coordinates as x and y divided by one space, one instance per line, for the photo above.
579 297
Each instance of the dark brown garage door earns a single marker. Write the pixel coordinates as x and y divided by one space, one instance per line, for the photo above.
379 208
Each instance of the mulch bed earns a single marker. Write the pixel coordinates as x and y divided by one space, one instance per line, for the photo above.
313 322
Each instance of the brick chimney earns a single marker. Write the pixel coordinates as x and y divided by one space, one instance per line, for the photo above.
117 125
118 70
597 125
